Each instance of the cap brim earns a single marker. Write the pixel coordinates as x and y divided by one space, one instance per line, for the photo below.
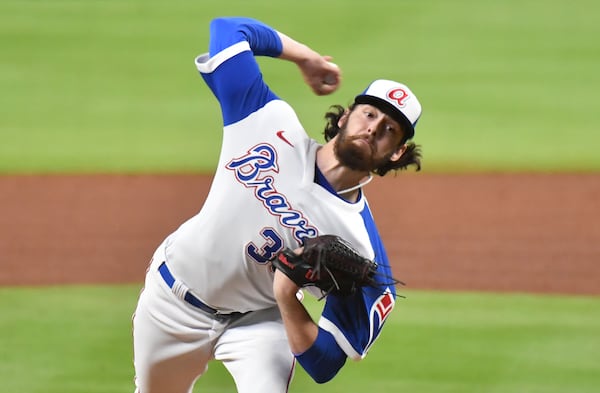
389 110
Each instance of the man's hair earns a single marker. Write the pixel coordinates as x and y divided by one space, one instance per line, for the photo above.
412 155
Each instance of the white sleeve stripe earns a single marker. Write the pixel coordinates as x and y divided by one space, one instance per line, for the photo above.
340 339
207 64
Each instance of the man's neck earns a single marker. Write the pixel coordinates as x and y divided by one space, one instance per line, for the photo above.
344 181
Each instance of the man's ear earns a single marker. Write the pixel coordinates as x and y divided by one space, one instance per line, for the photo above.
398 153
343 119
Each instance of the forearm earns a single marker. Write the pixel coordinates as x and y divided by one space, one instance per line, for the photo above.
299 325
295 51
322 76
314 348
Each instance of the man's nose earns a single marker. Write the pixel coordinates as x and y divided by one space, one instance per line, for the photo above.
374 126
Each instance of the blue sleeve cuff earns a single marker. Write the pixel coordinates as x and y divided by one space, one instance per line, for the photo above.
323 359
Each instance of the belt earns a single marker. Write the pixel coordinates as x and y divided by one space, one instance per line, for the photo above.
189 297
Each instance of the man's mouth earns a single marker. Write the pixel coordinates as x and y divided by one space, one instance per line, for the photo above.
366 142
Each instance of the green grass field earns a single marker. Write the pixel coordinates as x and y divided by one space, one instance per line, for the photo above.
110 86
77 339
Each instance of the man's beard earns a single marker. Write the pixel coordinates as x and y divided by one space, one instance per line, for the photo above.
354 157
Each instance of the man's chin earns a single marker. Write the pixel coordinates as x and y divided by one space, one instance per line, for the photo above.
355 154
357 162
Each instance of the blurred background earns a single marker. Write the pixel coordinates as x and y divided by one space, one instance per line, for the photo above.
99 86
108 136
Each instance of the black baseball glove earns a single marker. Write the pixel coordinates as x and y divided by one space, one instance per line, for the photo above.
331 264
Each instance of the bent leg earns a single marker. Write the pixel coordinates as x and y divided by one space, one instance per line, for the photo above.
255 351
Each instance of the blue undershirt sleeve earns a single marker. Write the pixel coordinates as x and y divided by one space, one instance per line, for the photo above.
237 81
323 359
263 39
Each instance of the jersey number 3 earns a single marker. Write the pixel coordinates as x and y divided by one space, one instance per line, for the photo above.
272 245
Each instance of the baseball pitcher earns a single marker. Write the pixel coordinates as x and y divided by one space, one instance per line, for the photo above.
284 214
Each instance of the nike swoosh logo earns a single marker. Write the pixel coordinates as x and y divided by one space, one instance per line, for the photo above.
283 138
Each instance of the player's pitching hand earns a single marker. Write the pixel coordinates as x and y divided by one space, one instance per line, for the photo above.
321 75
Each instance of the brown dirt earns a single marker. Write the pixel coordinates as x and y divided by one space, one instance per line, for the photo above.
500 232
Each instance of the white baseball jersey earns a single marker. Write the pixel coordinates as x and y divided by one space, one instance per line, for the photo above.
267 194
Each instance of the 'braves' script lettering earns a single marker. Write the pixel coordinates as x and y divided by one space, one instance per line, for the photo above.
254 170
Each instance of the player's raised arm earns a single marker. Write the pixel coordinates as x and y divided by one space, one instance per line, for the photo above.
322 76
262 39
